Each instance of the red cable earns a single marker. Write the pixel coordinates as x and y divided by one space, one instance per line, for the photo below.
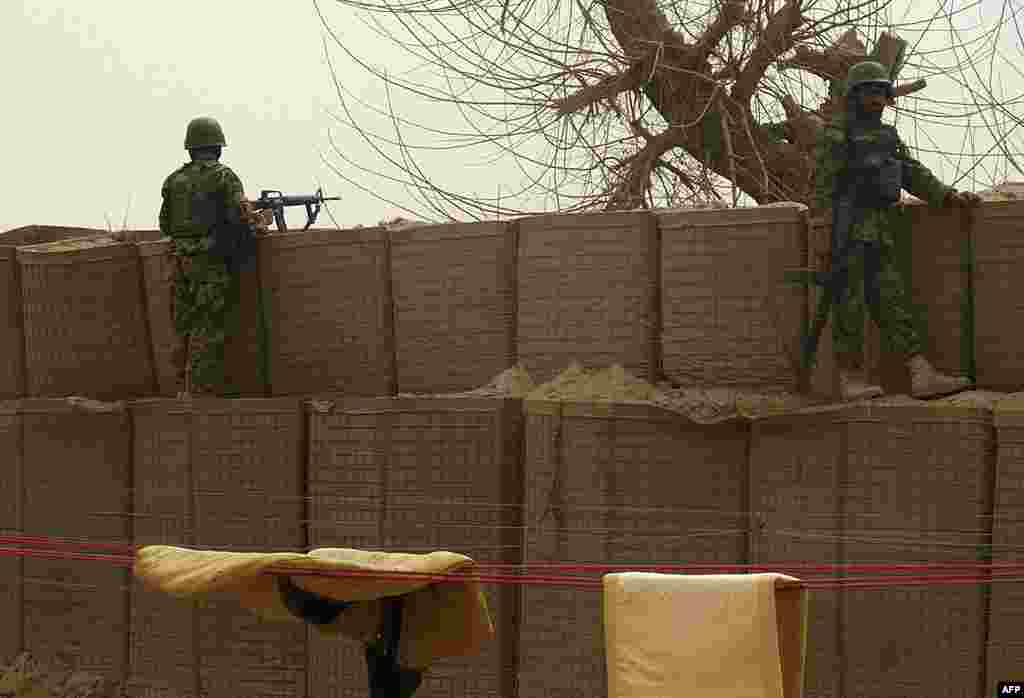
999 571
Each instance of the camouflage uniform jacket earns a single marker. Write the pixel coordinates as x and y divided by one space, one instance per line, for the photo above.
176 214
831 164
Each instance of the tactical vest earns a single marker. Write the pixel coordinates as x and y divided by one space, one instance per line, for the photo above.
195 201
874 171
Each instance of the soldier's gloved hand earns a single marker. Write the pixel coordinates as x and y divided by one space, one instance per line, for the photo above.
259 220
966 199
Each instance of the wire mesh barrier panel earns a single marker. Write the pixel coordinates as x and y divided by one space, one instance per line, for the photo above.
158 272
916 485
1006 611
12 338
11 523
617 484
226 475
454 305
77 482
12 331
998 310
586 289
729 316
795 463
85 320
327 303
418 475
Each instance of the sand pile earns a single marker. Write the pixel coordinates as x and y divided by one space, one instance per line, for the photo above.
578 384
28 678
76 244
702 405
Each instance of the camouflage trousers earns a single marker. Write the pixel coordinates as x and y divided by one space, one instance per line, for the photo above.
888 305
205 314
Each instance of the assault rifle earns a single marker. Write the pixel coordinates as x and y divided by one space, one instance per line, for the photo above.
273 200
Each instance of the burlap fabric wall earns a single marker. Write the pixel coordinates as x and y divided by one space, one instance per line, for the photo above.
916 487
417 475
12 337
454 291
38 234
11 513
1006 613
77 484
618 484
586 290
940 277
347 458
221 474
998 311
86 327
932 252
795 464
328 303
143 236
823 379
158 271
241 360
729 317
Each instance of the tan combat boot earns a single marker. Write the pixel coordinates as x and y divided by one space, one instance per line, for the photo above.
926 382
852 387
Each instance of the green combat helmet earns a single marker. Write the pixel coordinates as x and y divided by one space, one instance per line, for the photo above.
203 132
867 73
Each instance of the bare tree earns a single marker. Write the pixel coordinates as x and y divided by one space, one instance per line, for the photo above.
623 104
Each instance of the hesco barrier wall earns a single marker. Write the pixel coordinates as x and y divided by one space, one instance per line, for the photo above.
617 484
158 271
468 311
699 296
934 251
504 481
75 483
586 290
11 523
1006 601
917 486
998 309
728 317
795 467
224 475
12 337
85 320
328 303
418 475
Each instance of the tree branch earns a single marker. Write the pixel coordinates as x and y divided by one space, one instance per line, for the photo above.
629 192
606 88
776 39
733 12
831 64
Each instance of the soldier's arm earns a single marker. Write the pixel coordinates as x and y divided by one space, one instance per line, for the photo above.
233 193
165 213
918 179
830 163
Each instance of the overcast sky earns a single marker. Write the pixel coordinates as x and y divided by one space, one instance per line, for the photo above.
97 95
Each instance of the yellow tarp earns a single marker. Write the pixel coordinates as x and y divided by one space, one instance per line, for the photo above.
713 636
440 618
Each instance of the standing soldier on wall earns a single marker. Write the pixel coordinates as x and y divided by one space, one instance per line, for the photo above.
861 167
201 199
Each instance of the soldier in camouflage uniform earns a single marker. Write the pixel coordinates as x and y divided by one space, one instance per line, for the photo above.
883 291
196 197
